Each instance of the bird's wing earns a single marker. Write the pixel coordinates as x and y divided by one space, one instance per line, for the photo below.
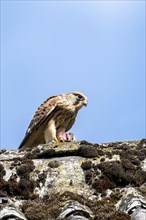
35 132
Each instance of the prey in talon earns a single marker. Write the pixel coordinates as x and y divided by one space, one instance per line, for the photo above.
66 137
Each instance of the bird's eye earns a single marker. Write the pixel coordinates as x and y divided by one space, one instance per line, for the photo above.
80 97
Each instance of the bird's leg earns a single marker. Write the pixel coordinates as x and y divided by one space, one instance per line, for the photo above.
50 132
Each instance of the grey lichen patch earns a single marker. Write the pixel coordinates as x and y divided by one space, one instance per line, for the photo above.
10 155
54 164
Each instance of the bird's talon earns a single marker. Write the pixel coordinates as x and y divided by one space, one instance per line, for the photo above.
55 141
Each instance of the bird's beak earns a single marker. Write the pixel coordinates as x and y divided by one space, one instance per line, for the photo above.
85 102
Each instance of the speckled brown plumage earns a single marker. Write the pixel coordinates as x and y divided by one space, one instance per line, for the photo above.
55 115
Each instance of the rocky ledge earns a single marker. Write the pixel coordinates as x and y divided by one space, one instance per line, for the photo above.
74 180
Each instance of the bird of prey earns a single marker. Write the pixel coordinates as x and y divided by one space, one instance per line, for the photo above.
54 117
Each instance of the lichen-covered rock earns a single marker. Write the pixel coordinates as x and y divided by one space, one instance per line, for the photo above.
75 180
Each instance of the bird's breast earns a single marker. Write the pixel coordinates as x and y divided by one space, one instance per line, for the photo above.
64 119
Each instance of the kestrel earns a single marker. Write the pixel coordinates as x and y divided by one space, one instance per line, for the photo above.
54 117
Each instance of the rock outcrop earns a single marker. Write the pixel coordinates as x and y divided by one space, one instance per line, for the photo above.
74 180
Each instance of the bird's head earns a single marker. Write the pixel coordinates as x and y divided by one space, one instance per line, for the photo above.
78 99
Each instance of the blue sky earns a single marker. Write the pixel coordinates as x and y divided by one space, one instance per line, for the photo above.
54 47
